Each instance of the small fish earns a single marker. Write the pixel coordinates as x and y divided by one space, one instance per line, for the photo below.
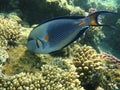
57 33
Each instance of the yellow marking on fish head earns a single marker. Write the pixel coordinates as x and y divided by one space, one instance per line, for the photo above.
47 37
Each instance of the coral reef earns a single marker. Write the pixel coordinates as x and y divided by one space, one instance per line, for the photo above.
59 8
93 37
77 67
50 78
42 10
3 56
60 79
68 5
21 81
9 30
93 70
21 60
110 58
88 64
112 72
3 42
86 69
111 80
63 63
105 4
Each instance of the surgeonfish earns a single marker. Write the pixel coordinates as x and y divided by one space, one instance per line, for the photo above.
57 33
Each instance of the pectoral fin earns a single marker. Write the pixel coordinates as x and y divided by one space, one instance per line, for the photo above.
78 35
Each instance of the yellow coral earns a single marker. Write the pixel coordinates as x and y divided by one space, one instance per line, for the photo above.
50 78
14 17
3 56
56 78
88 63
3 42
65 5
9 30
93 70
21 81
20 60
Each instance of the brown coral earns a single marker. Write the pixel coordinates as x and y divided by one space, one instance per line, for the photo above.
111 58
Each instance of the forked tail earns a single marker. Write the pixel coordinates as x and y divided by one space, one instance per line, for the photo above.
94 18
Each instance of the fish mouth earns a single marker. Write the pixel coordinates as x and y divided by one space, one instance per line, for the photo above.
29 39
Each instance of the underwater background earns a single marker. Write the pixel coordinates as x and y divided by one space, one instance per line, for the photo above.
90 63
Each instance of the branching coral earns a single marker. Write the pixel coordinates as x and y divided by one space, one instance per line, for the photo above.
50 78
65 64
56 78
111 79
3 56
88 64
9 31
93 69
67 6
21 81
3 42
112 72
85 68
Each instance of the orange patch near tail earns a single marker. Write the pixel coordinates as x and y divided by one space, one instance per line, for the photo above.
47 37
93 21
81 23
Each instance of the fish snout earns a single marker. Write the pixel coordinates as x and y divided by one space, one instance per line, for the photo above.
31 45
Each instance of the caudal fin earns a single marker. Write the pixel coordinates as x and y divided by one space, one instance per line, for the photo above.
94 18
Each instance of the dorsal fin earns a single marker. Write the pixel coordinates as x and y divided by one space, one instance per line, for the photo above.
64 17
61 17
78 35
